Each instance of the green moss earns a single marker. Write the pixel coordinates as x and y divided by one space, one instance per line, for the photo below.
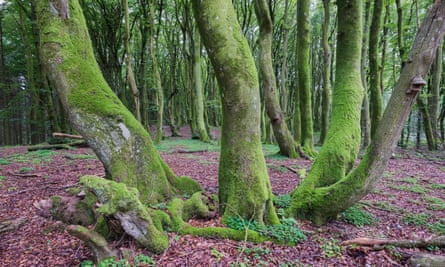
186 185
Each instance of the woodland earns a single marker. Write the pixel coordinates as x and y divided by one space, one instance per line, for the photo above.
222 133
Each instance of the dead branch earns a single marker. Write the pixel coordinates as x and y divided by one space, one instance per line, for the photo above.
11 224
64 135
379 243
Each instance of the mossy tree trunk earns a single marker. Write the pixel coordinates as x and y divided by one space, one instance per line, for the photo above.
376 98
321 199
198 99
119 140
244 186
304 76
281 132
327 95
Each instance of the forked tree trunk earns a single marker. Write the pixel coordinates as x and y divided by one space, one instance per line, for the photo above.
244 186
281 132
119 140
320 201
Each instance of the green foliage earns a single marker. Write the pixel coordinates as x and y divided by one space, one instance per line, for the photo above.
437 186
282 201
26 169
410 180
330 247
356 216
416 218
437 227
287 232
434 203
215 253
411 188
139 260
4 161
172 145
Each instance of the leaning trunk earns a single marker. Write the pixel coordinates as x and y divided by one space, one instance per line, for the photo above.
281 132
323 202
119 140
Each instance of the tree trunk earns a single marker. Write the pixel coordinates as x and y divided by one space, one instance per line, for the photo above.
327 95
130 74
280 130
198 98
323 201
434 96
244 186
304 76
376 98
119 140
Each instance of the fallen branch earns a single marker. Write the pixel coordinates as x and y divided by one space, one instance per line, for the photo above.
11 224
43 147
379 243
64 135
423 259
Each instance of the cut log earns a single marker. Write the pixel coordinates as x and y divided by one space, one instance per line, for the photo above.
424 260
94 241
379 243
64 135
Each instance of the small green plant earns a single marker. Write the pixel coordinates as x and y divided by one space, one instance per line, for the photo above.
4 162
144 260
356 216
282 201
215 253
287 232
139 260
409 180
2 178
330 247
437 227
159 206
435 203
26 169
416 218
411 188
238 223
257 252
437 186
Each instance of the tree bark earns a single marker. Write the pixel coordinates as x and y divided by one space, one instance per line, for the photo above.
304 76
281 132
321 202
119 140
376 98
244 186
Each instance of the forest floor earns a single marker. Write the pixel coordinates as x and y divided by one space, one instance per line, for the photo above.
407 204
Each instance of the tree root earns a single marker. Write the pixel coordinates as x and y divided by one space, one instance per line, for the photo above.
94 241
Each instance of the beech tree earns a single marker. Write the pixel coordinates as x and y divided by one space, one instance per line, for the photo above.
332 185
244 186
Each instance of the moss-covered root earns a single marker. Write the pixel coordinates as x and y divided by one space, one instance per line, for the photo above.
94 241
181 211
123 203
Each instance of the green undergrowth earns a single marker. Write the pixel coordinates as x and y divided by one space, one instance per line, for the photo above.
355 215
426 220
410 188
434 203
139 260
287 232
190 145
79 156
34 157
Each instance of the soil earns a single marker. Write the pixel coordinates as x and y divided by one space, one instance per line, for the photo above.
408 203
